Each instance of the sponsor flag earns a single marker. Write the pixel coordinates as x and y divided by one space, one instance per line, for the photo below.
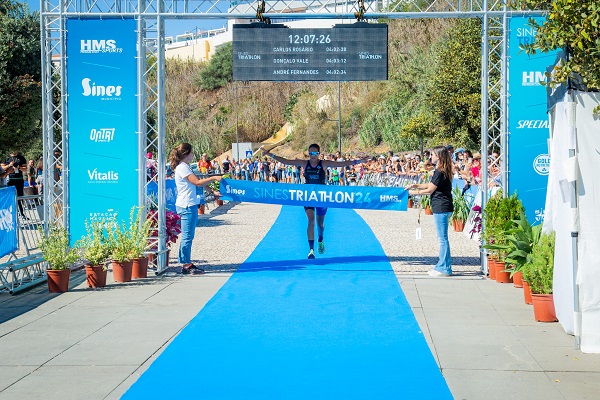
102 115
8 221
330 196
528 126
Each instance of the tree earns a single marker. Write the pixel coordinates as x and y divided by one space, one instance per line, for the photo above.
572 25
454 93
20 78
220 69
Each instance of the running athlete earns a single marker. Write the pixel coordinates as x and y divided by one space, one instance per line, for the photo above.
314 173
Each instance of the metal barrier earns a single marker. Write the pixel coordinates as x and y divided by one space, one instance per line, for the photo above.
26 266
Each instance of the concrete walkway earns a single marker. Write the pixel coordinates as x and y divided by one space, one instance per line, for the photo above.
94 344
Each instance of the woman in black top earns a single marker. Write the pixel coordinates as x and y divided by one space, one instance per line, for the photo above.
440 190
314 173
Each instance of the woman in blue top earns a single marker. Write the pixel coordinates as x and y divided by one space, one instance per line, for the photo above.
186 202
314 173
440 190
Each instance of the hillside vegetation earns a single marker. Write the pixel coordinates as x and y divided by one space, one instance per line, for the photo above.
433 93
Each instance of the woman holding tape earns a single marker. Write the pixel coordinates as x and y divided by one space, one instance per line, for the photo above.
187 203
440 190
314 173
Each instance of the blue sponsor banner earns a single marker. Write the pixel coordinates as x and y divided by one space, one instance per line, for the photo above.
8 221
528 126
330 196
102 116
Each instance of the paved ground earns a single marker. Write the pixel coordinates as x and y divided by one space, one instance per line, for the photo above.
94 344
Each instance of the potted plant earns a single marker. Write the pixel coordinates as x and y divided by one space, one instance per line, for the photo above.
461 210
95 249
140 233
538 273
59 255
520 241
425 202
499 215
122 250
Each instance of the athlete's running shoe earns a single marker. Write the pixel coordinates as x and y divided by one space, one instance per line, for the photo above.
311 254
321 247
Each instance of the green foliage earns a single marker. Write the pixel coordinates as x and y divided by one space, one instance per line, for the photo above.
288 111
425 201
140 231
129 241
454 92
20 79
55 248
520 239
95 246
461 207
573 25
540 270
499 216
219 71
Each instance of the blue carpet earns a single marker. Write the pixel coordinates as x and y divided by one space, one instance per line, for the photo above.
284 327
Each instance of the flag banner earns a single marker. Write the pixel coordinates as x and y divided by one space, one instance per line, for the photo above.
8 221
102 114
528 124
329 196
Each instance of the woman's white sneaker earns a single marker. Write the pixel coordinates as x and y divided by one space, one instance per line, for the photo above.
436 274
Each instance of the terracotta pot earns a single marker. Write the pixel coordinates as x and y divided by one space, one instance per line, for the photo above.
58 280
501 275
218 201
428 211
122 271
543 307
201 209
95 275
459 225
492 268
139 268
518 279
527 293
411 203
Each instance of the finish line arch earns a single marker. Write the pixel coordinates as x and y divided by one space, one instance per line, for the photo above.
150 17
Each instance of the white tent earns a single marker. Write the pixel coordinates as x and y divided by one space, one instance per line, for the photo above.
573 211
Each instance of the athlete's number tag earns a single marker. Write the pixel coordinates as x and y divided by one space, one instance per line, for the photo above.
418 233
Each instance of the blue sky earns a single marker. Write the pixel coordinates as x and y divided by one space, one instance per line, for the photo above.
172 28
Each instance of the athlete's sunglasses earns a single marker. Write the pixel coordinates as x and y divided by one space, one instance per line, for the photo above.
313 153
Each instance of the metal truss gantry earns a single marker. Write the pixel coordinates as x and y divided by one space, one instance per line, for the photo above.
151 15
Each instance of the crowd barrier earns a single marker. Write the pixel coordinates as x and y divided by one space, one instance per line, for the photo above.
25 266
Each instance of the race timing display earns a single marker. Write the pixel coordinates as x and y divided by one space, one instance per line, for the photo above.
347 52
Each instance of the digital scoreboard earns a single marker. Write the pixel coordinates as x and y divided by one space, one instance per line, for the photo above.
348 52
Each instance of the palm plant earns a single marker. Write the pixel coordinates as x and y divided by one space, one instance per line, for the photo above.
461 207
425 201
520 237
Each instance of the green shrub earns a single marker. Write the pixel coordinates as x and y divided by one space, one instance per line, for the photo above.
56 249
95 246
539 271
